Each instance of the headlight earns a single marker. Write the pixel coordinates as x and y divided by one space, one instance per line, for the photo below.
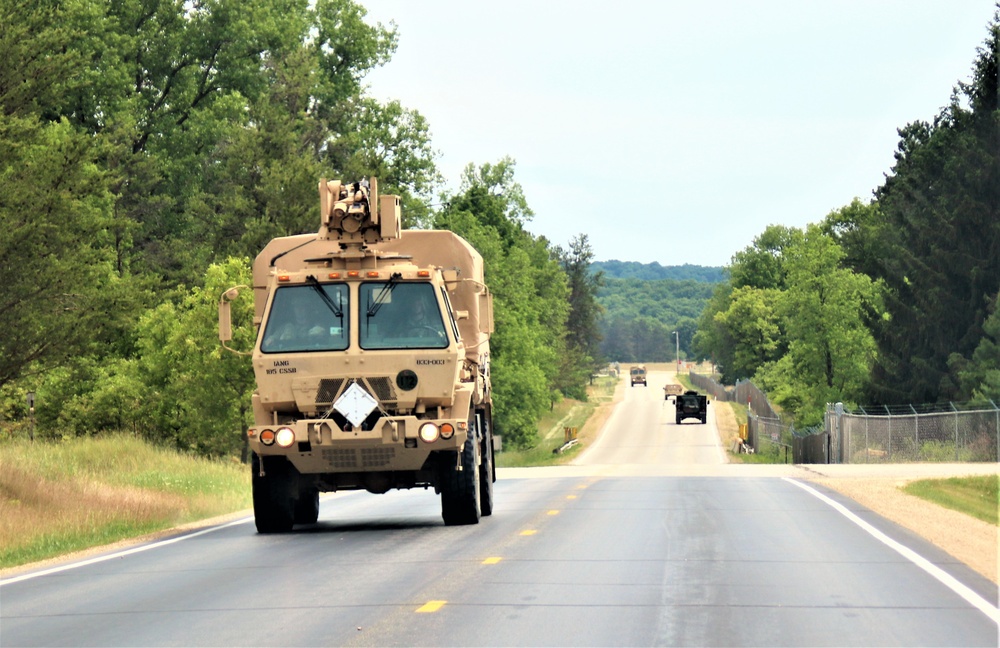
429 433
285 437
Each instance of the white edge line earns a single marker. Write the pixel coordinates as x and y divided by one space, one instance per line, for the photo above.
119 554
944 577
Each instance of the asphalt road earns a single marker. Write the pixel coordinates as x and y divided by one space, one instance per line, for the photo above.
648 540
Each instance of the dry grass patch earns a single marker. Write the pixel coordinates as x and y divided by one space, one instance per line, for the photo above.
61 497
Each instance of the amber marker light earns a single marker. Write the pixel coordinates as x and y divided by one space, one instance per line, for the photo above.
285 437
372 274
447 431
423 273
284 278
334 275
353 274
267 437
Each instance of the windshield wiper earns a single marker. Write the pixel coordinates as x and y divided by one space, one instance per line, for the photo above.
383 294
314 282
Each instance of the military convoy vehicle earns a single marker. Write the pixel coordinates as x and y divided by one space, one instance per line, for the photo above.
372 363
638 374
672 389
691 404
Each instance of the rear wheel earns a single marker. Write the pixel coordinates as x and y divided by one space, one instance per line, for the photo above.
486 477
273 494
460 492
307 506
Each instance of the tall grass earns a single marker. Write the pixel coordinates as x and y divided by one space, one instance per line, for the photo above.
58 497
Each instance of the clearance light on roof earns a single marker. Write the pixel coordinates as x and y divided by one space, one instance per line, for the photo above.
423 273
284 278
353 274
372 274
335 275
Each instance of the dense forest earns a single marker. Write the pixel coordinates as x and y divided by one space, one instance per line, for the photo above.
641 316
148 150
615 269
889 301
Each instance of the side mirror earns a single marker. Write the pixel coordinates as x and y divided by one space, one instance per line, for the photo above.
225 318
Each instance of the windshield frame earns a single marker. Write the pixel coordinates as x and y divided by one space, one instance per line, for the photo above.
391 326
303 318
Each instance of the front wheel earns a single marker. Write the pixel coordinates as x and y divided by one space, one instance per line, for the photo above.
460 488
486 476
273 494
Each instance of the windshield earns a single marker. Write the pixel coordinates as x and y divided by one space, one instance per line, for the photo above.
400 316
307 318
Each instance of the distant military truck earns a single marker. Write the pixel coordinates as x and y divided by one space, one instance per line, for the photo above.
691 404
672 389
638 375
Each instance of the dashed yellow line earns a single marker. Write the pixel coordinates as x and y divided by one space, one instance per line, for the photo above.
431 606
571 497
553 512
529 532
492 560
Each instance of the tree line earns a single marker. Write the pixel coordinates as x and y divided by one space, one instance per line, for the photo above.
889 301
150 148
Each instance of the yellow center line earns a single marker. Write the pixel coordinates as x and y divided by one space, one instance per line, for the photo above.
492 560
553 512
571 497
431 606
528 532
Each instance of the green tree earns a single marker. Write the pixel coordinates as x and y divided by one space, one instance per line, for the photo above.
830 349
939 219
583 339
529 291
198 394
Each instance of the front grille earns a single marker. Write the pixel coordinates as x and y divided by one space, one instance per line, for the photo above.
340 458
328 390
376 457
383 389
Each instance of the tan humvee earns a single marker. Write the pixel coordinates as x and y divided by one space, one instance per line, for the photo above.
637 374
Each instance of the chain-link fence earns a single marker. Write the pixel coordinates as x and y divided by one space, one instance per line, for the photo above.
893 435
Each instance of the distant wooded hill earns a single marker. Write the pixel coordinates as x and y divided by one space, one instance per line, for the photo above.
645 303
649 271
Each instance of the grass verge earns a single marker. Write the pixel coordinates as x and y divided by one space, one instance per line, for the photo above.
552 428
975 495
56 498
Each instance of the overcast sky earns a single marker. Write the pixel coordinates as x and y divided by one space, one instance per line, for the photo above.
675 131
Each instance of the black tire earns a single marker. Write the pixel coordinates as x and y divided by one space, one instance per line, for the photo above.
460 494
273 494
486 473
307 506
703 419
679 419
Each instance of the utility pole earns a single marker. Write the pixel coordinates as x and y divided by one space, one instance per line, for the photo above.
677 352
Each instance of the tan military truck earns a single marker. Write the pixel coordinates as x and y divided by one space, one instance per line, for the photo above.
637 374
372 362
